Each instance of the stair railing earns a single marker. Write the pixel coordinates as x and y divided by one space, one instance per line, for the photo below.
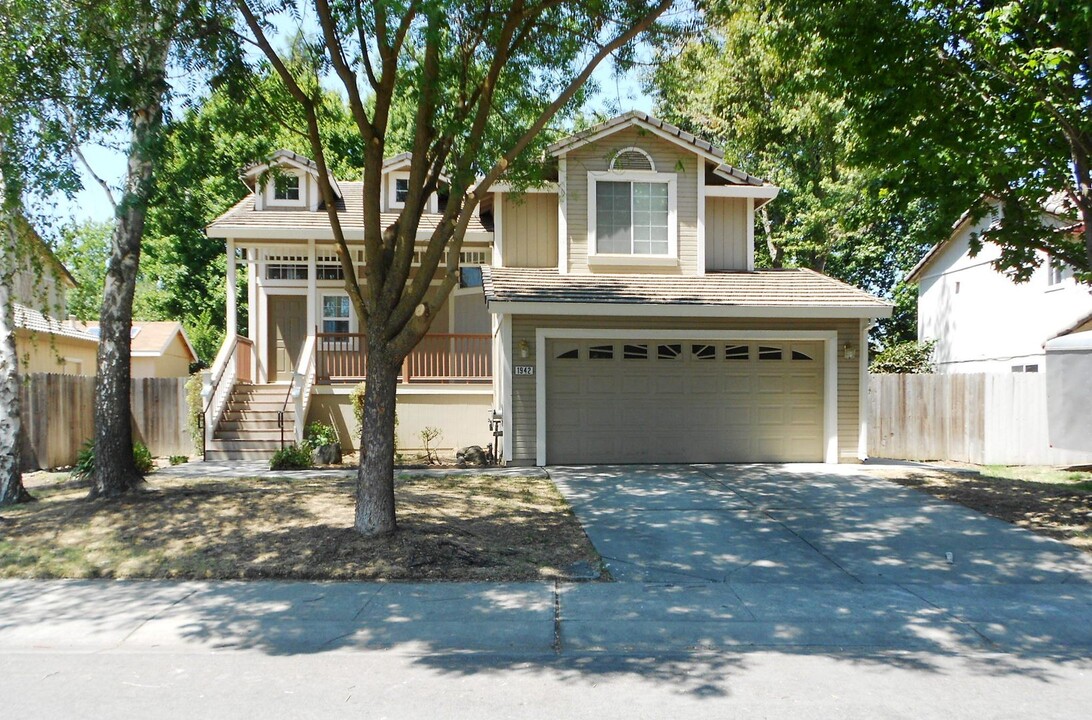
299 391
216 389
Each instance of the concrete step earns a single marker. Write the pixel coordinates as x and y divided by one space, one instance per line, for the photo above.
269 446
250 434
256 416
256 424
236 454
272 406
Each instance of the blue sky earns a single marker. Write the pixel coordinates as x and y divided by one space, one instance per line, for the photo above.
91 203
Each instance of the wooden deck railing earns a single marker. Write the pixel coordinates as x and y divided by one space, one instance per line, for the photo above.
440 358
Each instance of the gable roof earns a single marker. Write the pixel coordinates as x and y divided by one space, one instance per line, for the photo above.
792 291
152 338
43 250
251 174
665 130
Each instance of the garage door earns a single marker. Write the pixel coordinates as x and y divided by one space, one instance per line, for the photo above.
636 401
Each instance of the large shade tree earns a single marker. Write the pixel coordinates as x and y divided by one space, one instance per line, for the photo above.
478 82
758 85
983 99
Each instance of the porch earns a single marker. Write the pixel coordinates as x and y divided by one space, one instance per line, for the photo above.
443 358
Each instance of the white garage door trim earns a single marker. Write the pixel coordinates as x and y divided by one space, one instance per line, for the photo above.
830 370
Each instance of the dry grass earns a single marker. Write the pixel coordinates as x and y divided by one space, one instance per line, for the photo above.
1056 503
450 528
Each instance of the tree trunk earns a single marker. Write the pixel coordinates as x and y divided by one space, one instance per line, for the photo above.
777 252
115 471
375 476
11 475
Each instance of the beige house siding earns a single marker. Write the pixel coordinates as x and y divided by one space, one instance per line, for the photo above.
529 229
668 158
46 353
175 362
726 234
462 417
524 404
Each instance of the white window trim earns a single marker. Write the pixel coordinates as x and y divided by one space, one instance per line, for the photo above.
271 194
392 189
829 338
670 179
322 318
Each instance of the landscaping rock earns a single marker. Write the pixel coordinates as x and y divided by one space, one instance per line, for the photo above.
473 455
328 454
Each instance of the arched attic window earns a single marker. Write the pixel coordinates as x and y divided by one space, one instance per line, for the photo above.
632 158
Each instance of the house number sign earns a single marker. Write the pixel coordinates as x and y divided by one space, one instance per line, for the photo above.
525 369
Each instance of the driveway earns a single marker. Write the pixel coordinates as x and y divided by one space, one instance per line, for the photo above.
800 525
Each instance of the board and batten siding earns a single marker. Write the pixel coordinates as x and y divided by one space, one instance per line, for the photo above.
725 233
524 402
529 229
668 158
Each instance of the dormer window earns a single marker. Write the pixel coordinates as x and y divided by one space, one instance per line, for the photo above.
632 212
286 187
401 190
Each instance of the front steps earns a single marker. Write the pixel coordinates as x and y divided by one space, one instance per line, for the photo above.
248 428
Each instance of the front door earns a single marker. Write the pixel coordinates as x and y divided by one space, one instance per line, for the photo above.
287 331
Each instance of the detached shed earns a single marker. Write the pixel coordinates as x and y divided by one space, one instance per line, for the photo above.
1069 391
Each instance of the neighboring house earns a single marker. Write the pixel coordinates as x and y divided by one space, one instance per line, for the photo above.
44 343
983 321
158 349
623 319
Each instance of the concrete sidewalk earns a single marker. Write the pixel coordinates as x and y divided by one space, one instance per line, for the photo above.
1029 621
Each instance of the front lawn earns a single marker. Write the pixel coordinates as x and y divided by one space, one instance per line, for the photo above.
455 527
1053 502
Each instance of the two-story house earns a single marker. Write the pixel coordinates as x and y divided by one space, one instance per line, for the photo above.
623 319
981 320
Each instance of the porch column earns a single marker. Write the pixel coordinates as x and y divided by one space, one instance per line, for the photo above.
232 311
312 301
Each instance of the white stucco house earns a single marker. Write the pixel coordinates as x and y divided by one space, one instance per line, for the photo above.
982 320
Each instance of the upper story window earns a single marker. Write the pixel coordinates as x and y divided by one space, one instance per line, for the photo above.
286 187
632 212
401 190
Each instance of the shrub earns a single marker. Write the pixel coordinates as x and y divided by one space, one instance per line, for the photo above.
908 357
142 458
292 457
85 460
319 434
178 459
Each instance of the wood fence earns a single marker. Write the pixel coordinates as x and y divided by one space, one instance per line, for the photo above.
985 419
59 416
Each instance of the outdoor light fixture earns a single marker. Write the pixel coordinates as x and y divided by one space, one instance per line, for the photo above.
524 349
849 352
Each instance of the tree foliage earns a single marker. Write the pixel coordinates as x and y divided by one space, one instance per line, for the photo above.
758 84
905 357
976 100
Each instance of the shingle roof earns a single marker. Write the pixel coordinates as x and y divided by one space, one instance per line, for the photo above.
795 288
151 337
637 116
33 320
350 211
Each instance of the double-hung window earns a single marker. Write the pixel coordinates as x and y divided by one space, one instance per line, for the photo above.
335 313
286 187
632 213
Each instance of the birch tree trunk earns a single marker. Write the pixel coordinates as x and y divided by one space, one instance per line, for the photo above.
11 475
115 472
